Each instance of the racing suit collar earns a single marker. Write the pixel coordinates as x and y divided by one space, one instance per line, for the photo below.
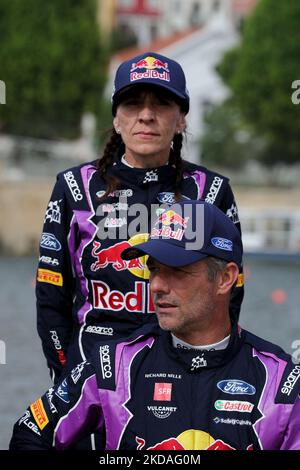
196 359
142 176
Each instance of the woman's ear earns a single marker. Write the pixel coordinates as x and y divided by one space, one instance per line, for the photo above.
228 278
181 124
116 124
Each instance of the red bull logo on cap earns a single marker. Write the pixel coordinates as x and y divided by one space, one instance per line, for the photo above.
166 219
155 68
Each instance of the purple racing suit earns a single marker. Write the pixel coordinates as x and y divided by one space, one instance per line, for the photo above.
145 394
85 291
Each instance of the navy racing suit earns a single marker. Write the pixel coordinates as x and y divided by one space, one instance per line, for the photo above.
145 394
84 290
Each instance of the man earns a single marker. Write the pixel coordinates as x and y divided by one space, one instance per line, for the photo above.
197 382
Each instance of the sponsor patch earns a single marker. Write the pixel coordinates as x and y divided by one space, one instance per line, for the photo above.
112 222
166 198
50 277
213 190
49 260
232 421
162 412
30 424
39 413
73 186
77 371
222 243
291 381
62 391
106 299
236 387
150 176
116 206
162 392
198 362
53 213
117 193
50 242
105 362
234 405
100 330
232 213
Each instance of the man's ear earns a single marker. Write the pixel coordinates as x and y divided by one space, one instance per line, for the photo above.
228 278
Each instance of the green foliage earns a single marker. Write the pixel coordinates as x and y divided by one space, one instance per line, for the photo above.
260 73
52 63
227 141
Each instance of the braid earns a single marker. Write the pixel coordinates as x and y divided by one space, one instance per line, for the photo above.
178 162
106 161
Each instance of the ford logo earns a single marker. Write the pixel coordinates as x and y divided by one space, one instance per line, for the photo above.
166 198
50 242
236 387
222 243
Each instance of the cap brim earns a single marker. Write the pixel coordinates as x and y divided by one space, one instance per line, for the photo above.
180 97
163 252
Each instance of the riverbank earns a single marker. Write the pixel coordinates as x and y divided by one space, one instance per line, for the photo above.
23 205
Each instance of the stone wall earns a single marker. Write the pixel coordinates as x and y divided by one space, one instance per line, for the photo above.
22 209
23 205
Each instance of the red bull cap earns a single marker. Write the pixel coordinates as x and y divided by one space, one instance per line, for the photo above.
153 69
191 231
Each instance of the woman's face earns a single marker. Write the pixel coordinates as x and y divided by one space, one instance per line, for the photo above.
147 119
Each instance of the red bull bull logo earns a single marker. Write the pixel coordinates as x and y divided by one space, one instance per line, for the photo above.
192 439
112 255
155 68
171 217
166 219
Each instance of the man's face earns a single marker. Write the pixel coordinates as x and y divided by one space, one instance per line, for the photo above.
184 298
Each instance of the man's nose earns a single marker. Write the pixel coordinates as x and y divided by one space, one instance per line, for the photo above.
159 283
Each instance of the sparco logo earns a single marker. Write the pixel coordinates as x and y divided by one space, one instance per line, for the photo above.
291 381
105 362
100 330
214 189
73 186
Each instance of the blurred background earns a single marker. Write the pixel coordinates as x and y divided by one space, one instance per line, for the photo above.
57 63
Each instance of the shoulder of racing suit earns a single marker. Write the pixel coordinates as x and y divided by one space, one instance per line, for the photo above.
277 363
72 180
213 187
107 356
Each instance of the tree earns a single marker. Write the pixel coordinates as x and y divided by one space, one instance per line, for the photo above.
227 141
260 73
52 64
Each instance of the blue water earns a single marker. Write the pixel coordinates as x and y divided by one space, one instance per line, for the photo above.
24 376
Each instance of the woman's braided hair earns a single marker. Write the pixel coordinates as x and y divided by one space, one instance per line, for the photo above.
113 145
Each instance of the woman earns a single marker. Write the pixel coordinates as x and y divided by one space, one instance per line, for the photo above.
85 291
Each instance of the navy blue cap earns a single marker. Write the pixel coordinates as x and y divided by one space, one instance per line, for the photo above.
189 231
154 69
